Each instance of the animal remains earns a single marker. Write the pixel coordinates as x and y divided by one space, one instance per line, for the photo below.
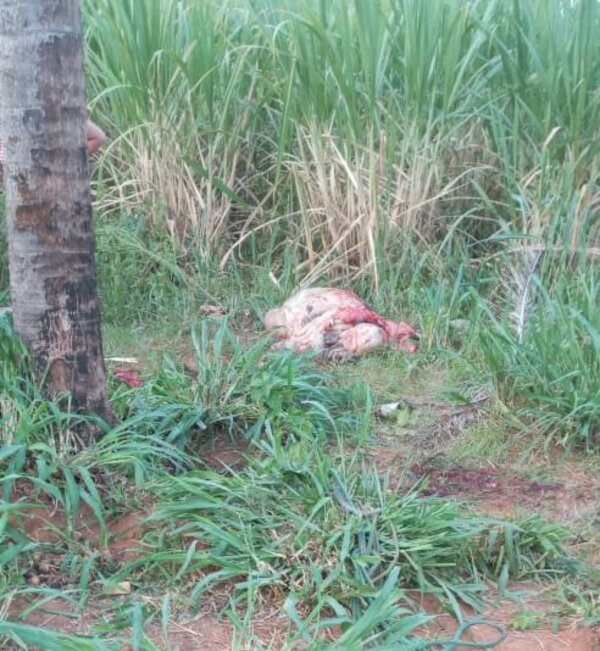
336 323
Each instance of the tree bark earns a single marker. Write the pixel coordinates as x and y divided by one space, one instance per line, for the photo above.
48 198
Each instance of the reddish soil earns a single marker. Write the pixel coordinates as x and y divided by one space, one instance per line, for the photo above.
206 632
572 498
570 636
224 452
495 491
501 492
202 633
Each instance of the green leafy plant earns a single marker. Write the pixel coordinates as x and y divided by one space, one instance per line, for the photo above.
334 537
551 376
241 389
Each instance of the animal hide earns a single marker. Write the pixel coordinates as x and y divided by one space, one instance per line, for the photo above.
335 322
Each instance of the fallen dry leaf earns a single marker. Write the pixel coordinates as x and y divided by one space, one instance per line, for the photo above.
214 311
123 587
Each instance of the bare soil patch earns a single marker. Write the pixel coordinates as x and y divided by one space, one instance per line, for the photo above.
205 632
503 492
269 627
531 613
224 452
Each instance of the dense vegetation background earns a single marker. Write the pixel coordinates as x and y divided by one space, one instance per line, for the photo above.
439 157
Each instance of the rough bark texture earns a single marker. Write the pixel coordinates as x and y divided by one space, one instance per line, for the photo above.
48 199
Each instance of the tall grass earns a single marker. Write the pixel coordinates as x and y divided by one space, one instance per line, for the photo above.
549 72
337 122
551 376
176 99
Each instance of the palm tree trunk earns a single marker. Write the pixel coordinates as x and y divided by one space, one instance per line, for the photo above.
48 199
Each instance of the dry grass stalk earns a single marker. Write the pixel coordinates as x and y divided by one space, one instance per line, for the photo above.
161 182
348 199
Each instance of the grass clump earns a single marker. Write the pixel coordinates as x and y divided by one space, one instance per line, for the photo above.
328 537
238 390
550 374
56 501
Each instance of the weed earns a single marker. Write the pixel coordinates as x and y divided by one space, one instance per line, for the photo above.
243 390
551 376
332 536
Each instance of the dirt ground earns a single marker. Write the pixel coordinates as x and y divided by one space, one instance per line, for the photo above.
571 636
207 633
571 497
